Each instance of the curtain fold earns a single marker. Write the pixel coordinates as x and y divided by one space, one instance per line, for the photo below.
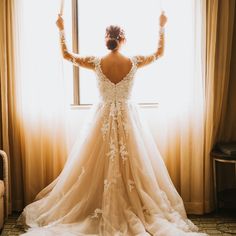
222 63
227 130
9 132
220 20
179 124
33 111
42 100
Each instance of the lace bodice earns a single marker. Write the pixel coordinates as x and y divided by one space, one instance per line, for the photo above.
111 92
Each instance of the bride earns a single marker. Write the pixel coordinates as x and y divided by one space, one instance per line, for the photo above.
114 181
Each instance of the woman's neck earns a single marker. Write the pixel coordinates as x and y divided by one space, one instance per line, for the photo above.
115 52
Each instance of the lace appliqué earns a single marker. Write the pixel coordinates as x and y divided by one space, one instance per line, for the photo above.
154 57
123 151
97 213
115 110
105 128
118 233
130 184
146 211
146 59
117 113
126 128
91 60
108 183
113 150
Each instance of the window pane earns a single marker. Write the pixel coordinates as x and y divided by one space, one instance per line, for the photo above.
40 55
164 80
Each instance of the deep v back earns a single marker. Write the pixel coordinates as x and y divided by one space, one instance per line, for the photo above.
115 92
122 77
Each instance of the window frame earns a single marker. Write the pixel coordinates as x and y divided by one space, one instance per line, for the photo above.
76 69
75 49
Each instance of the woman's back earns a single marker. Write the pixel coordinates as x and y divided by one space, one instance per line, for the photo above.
115 66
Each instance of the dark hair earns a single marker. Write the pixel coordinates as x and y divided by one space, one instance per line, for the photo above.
114 35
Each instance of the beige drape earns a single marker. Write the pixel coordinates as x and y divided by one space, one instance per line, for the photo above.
32 131
180 124
9 129
227 130
220 20
41 95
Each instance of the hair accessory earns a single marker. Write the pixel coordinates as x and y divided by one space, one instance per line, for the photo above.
115 32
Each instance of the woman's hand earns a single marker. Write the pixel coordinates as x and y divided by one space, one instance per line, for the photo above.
60 22
162 19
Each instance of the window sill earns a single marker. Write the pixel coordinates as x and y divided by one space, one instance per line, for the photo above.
88 106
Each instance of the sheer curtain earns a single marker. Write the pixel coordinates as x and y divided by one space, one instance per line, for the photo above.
178 122
9 125
42 98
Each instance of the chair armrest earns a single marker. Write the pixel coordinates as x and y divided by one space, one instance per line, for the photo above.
4 161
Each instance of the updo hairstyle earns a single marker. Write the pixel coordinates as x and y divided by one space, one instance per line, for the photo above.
114 35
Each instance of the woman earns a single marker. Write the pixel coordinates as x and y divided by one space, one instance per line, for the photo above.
114 181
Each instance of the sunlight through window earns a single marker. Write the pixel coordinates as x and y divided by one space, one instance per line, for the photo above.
165 81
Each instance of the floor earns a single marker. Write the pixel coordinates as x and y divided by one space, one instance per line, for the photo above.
221 224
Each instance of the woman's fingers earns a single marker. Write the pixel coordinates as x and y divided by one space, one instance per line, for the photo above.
60 22
163 19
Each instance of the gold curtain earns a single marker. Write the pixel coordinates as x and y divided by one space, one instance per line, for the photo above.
32 130
9 129
41 95
227 131
220 20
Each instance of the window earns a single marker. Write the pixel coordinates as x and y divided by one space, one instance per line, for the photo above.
164 81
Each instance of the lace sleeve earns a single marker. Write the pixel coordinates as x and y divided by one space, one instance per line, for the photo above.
146 60
87 62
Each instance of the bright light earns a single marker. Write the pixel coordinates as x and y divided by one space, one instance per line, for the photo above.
170 81
41 83
167 81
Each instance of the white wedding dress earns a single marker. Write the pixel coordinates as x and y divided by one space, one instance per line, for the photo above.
114 181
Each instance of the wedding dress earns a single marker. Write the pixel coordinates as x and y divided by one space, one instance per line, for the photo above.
114 181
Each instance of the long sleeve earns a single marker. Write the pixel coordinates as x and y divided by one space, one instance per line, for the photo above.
146 60
77 60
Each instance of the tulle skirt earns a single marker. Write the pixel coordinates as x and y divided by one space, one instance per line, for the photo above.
114 183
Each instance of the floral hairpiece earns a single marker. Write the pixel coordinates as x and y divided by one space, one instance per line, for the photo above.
120 36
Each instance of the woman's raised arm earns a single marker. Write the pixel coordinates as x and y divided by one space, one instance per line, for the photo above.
87 62
146 60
